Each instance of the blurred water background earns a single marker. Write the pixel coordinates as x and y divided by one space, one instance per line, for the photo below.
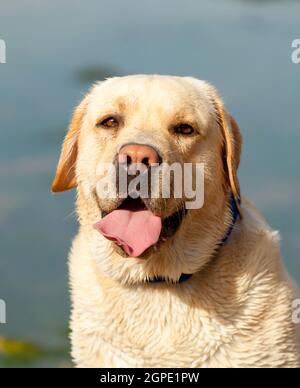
55 50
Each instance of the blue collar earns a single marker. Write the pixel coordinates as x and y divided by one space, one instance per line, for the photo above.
235 216
183 278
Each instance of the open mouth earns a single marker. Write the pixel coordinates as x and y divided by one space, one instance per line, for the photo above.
136 229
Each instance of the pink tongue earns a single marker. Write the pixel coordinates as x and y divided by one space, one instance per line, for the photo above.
134 230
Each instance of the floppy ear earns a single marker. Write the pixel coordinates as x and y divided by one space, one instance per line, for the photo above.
65 178
232 147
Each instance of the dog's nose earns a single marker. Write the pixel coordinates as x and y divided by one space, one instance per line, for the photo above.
138 154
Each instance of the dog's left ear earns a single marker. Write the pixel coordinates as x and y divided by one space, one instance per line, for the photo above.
232 147
232 153
65 178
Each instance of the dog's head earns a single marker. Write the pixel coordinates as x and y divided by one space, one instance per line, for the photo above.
143 124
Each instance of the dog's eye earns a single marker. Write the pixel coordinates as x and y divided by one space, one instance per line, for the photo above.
184 129
110 122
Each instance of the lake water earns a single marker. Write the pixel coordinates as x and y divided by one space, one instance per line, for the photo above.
243 47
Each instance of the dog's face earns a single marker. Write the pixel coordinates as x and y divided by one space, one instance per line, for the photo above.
151 120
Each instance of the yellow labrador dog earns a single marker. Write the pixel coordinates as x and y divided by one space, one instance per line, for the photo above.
155 284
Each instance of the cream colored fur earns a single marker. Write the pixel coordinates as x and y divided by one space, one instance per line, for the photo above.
236 310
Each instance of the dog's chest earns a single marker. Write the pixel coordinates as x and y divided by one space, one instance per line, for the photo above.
154 329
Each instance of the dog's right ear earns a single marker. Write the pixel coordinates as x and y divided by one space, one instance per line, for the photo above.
65 178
